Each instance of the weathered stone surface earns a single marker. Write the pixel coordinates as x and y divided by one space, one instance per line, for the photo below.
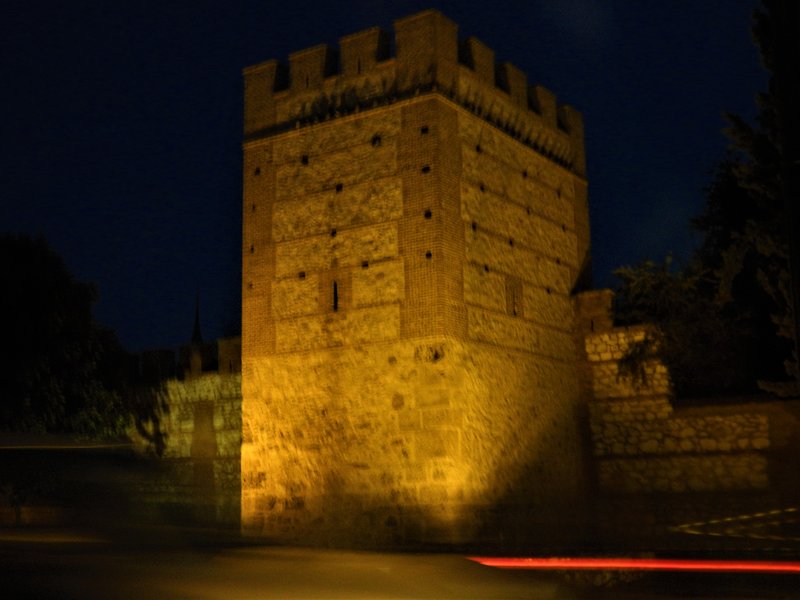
645 446
349 248
472 444
743 471
378 283
491 213
356 327
408 351
337 136
203 432
494 251
369 202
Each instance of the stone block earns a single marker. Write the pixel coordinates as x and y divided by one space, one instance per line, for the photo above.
408 420
436 443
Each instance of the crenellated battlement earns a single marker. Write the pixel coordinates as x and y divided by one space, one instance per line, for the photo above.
322 83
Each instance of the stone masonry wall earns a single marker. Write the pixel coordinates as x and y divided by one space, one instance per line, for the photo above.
407 442
643 445
200 465
386 297
411 236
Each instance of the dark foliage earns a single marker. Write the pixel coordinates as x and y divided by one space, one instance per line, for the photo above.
704 345
746 220
725 321
61 371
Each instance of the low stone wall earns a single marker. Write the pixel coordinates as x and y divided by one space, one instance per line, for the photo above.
714 466
603 352
199 474
621 433
696 473
643 445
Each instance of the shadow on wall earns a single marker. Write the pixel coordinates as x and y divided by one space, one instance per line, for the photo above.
545 505
203 452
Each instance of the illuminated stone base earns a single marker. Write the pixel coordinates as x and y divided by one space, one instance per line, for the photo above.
431 440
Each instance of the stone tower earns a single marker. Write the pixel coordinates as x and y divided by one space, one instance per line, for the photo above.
414 225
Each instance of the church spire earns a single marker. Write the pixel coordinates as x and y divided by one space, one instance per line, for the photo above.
197 336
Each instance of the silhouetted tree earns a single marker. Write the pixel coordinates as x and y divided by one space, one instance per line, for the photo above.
62 373
745 252
704 346
748 219
726 318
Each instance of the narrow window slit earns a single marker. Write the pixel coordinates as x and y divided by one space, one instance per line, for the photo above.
335 296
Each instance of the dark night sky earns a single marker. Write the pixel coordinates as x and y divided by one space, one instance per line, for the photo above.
121 128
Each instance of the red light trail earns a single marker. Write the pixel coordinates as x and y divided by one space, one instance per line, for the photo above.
647 564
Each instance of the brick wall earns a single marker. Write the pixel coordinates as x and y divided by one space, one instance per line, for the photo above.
411 237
